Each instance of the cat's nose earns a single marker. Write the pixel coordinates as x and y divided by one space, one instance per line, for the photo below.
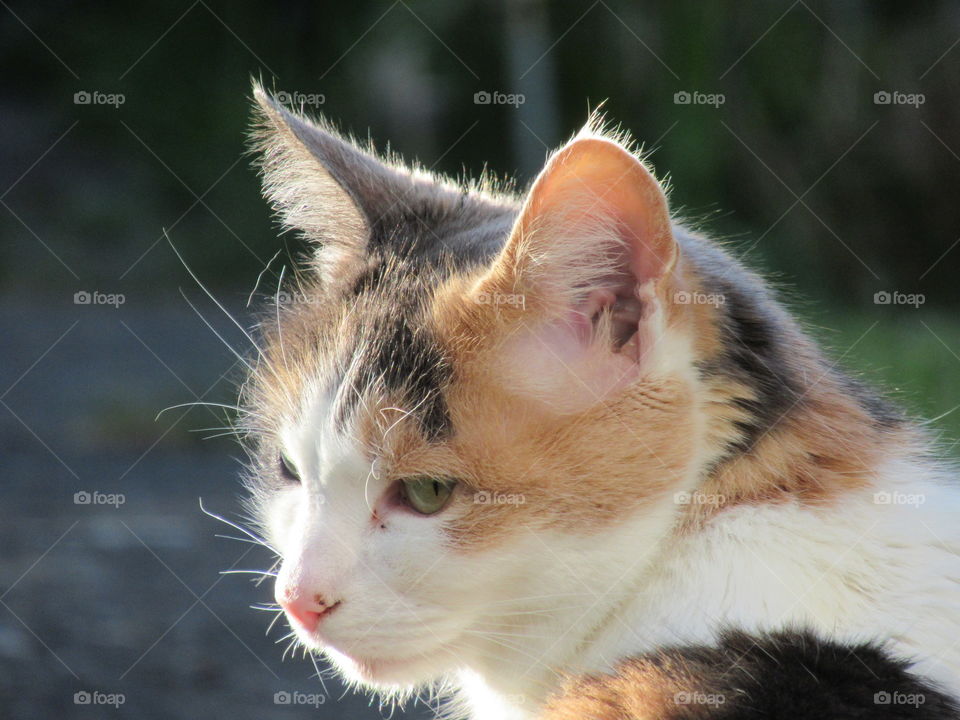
306 609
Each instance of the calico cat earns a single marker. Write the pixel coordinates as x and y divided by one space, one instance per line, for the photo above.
564 458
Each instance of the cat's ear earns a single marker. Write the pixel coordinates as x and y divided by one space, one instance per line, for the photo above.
324 186
593 254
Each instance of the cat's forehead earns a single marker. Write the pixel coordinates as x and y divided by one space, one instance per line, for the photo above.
369 333
389 350
378 345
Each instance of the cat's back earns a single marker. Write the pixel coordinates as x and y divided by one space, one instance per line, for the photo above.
785 674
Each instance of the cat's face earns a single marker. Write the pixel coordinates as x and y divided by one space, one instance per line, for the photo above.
470 402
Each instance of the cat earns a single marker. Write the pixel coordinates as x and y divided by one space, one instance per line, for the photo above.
553 453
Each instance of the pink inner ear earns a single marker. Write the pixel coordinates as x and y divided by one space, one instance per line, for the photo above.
559 363
640 209
600 214
593 182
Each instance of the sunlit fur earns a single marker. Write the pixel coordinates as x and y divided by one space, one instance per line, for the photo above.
586 443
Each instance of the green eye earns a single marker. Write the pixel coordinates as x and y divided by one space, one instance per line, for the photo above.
288 470
427 495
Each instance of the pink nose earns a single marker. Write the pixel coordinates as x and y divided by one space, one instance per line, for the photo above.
306 610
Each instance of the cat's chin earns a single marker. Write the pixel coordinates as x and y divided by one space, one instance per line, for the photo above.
384 674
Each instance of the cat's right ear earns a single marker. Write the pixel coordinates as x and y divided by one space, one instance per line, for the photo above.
592 256
323 186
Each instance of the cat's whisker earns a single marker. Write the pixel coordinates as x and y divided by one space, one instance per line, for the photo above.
213 298
291 648
243 540
235 526
248 572
289 635
220 337
283 352
273 622
271 573
204 403
267 608
231 433
313 659
403 414
260 276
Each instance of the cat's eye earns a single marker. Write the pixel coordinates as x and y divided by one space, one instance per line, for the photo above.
426 495
288 470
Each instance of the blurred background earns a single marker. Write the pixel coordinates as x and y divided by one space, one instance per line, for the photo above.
819 139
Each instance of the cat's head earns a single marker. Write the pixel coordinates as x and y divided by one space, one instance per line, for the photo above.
468 401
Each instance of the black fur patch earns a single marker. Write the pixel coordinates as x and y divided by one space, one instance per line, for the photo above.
800 676
754 355
410 254
757 336
397 351
408 362
752 336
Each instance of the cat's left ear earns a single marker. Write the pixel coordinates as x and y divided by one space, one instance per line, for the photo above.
325 186
593 254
